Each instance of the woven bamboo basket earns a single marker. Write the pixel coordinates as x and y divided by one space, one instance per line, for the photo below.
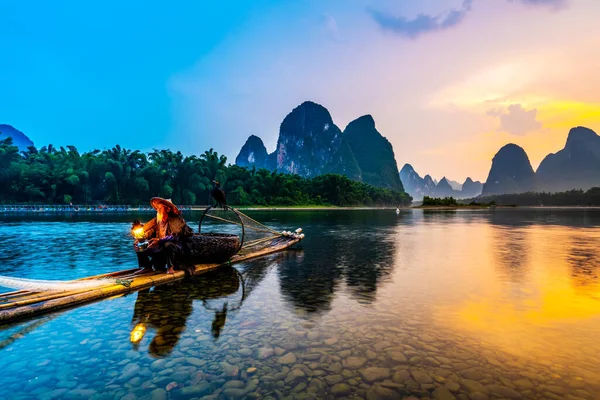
206 248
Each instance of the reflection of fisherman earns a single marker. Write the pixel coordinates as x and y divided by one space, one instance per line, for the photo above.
167 234
166 308
160 309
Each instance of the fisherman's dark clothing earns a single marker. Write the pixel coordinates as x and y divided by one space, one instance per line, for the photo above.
170 253
172 235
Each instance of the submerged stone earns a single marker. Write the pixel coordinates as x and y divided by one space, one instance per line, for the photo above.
504 391
196 361
355 362
473 386
441 393
198 390
375 374
294 375
158 394
340 389
289 358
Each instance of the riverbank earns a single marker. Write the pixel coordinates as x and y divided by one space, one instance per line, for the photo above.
455 207
116 210
128 209
463 207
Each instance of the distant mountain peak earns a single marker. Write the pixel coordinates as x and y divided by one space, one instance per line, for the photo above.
19 138
374 153
443 186
308 109
407 168
310 144
511 172
576 166
418 187
581 133
253 153
471 188
365 121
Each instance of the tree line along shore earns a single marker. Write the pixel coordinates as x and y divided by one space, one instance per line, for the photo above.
570 198
51 175
108 178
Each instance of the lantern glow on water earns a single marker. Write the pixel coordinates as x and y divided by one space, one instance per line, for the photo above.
137 333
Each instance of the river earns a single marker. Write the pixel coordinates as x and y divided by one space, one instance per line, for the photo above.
467 304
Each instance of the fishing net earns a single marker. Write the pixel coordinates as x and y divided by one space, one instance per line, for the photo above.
254 236
39 285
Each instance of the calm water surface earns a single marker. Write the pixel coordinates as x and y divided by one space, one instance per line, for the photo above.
465 304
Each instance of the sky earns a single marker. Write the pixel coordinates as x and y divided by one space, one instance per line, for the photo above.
448 82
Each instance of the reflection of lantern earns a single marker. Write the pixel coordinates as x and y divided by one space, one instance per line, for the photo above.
137 333
138 233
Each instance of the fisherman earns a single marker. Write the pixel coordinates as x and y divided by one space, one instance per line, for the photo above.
166 235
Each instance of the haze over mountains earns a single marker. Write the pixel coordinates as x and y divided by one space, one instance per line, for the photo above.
418 187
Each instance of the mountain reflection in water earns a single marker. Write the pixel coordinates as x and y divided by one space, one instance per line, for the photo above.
360 260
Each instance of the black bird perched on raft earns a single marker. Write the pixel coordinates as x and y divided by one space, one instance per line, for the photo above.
219 195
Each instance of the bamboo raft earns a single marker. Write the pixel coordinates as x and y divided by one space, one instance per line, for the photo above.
22 304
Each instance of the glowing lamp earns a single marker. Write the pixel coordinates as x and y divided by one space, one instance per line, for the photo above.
138 233
137 333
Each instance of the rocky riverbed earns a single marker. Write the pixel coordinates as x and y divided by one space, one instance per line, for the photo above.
379 356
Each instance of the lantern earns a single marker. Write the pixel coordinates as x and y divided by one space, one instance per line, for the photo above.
138 233
137 230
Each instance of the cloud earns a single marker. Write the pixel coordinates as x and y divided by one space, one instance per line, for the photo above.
330 26
496 112
517 120
422 23
555 4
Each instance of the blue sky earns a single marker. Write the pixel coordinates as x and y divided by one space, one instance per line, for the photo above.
96 74
448 82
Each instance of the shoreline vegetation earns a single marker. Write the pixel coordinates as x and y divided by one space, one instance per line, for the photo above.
571 198
101 180
116 176
450 203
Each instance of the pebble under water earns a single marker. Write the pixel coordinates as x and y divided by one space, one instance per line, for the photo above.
501 304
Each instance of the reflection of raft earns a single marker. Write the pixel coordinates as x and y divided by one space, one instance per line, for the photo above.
24 303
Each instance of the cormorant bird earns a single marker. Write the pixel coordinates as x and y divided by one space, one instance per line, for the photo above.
219 194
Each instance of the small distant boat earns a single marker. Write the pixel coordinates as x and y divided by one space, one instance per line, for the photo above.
397 210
